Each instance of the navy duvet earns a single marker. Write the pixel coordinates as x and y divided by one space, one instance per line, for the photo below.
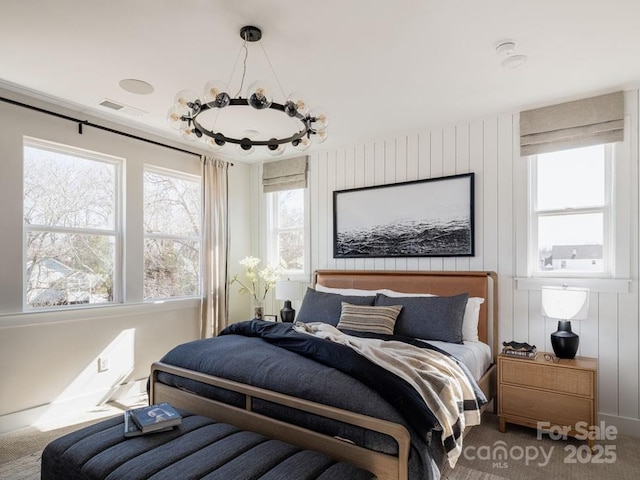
274 356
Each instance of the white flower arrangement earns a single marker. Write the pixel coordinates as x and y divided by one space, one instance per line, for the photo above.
258 282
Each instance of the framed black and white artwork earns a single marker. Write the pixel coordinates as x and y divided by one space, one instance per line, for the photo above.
421 218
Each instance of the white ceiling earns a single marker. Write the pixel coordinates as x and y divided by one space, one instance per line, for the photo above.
378 67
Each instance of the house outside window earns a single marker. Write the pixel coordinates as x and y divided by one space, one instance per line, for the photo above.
172 234
288 227
570 216
72 225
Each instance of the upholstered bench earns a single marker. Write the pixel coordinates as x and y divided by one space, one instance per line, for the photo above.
200 448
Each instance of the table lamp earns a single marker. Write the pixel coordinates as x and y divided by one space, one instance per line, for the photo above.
287 290
565 304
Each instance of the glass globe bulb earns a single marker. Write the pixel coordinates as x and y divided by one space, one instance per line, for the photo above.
174 118
217 92
184 97
319 118
259 95
215 145
303 144
296 104
275 149
189 133
319 137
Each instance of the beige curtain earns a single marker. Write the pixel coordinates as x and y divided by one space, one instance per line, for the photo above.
590 121
285 174
214 309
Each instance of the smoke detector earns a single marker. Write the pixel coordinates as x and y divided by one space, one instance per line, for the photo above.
506 50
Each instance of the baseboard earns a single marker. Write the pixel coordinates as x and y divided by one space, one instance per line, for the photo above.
21 419
625 425
59 411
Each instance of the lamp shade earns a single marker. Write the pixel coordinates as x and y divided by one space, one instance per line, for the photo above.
288 290
565 303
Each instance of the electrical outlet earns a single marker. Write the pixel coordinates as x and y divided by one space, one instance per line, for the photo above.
103 363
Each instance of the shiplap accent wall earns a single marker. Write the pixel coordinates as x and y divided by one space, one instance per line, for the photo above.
489 148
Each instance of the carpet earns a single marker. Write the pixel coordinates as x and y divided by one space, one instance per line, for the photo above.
25 468
465 473
520 453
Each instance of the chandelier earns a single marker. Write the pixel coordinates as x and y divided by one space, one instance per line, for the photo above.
299 125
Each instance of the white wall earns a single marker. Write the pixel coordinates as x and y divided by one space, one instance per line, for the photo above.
51 359
48 361
489 147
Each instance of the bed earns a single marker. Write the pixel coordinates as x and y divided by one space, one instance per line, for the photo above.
258 385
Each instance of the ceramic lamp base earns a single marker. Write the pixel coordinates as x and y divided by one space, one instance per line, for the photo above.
564 341
287 314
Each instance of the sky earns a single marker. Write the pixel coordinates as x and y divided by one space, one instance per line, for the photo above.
571 178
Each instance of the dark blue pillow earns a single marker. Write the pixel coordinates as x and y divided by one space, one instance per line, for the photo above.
327 307
429 318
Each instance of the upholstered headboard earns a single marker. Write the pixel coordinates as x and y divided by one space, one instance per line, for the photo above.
476 284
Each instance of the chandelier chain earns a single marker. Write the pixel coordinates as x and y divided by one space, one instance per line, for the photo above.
233 71
273 70
244 69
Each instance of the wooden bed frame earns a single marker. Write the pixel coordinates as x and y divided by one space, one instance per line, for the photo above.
384 466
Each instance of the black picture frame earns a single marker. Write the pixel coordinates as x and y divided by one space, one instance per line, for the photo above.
420 218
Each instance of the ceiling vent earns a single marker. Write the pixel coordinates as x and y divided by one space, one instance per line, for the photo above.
119 107
111 105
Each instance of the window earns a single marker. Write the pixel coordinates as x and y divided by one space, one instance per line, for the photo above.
172 226
287 240
571 212
71 225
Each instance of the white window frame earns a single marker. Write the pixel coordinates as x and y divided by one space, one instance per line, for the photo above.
117 233
608 214
185 176
272 237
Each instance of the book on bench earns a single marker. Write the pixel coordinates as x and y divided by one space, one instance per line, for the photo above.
154 418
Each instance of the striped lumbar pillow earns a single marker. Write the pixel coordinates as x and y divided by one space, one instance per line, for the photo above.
369 319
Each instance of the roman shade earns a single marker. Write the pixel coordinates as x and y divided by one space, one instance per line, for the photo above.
581 123
284 174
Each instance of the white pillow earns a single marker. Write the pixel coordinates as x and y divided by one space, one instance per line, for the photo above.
471 311
393 293
353 292
471 318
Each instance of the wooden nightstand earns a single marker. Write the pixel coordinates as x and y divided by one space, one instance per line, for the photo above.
563 394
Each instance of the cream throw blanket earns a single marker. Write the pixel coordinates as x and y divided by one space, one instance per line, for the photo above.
439 380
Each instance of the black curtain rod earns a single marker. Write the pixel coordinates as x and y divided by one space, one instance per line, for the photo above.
100 127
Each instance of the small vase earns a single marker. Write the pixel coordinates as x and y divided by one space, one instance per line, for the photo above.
258 311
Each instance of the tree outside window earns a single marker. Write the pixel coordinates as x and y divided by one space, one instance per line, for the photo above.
71 223
172 226
287 239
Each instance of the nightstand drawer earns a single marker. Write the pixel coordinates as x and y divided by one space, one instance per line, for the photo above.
547 377
554 408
